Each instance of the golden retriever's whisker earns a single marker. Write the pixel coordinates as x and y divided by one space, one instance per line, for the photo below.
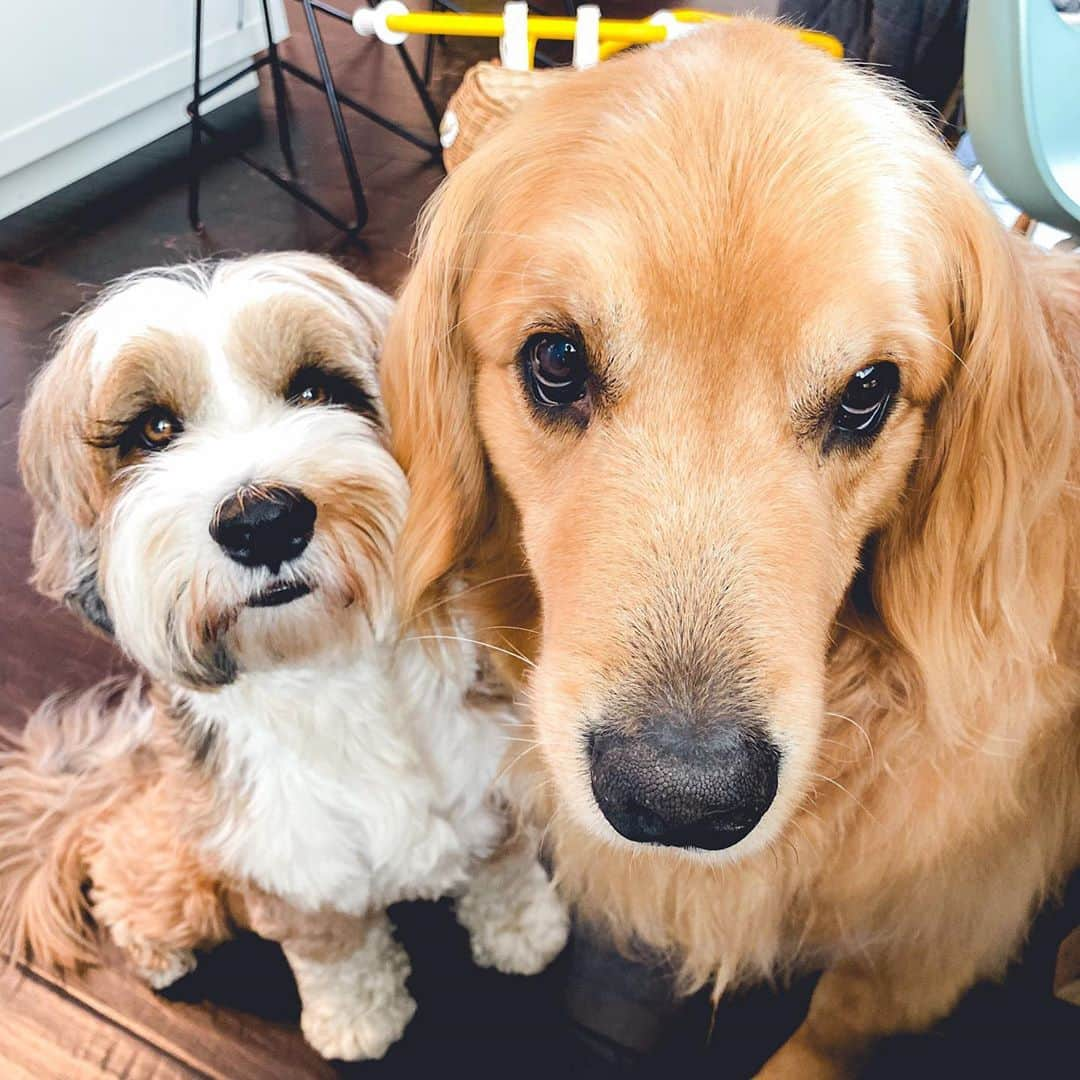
472 641
483 309
454 596
558 814
810 813
497 272
855 631
794 849
858 727
854 798
509 768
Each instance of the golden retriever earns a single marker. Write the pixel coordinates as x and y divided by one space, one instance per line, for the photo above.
755 434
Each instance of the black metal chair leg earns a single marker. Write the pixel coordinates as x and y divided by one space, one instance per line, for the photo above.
281 101
355 185
429 47
429 59
203 132
195 150
420 83
420 86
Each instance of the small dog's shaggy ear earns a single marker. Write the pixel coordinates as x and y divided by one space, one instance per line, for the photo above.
64 481
973 569
427 386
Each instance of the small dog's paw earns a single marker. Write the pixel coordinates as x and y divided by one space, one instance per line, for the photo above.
518 931
356 1008
161 969
351 1032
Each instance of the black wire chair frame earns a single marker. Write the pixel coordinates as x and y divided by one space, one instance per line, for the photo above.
335 99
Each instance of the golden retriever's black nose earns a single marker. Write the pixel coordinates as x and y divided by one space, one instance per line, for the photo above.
679 784
264 526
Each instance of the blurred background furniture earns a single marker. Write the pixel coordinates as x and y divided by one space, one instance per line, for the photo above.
335 98
1022 97
919 42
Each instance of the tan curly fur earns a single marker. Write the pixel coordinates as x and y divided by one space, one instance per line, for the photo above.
101 789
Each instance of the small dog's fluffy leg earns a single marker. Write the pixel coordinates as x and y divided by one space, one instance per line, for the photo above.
354 1006
516 922
349 970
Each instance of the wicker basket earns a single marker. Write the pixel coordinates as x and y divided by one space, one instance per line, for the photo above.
488 94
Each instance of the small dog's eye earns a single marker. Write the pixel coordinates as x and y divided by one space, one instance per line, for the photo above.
309 387
156 428
313 385
867 397
555 370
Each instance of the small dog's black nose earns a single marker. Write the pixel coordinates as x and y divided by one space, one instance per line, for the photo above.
684 784
264 526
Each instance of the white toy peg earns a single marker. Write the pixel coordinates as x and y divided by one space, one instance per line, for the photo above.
670 22
587 37
369 22
514 51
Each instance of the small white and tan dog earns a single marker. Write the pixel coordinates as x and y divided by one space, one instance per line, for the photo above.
207 455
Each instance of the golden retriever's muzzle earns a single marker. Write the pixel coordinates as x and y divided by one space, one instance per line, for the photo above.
680 783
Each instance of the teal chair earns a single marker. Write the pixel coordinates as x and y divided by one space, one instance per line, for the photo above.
1022 97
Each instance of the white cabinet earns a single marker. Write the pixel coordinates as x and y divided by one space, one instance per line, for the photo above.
84 82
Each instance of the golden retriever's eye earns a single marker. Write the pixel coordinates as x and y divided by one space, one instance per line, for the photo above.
153 430
867 397
554 369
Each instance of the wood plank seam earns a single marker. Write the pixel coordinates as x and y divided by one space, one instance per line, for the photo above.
62 991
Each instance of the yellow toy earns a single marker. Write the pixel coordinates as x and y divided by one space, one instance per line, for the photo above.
392 22
489 92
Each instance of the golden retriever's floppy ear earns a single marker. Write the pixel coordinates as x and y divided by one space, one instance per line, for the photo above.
971 576
485 100
64 481
427 385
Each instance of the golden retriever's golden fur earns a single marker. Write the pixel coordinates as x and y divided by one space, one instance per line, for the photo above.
736 224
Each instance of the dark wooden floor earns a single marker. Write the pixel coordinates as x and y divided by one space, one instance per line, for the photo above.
236 1017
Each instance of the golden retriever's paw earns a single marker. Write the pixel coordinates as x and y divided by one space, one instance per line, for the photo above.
517 924
796 1060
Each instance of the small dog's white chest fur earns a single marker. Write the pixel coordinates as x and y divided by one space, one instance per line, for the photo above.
354 785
